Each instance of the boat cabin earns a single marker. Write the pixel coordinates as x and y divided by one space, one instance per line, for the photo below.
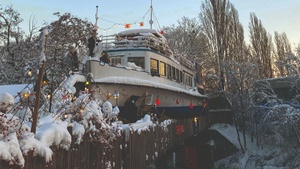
146 50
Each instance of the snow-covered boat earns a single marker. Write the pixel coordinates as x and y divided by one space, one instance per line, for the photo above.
143 76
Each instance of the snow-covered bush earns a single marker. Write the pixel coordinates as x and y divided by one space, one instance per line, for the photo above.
276 122
16 140
90 116
6 101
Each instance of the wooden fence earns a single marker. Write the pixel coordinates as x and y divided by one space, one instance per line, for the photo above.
138 151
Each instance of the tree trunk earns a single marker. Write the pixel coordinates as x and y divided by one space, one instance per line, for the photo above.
37 97
38 91
238 135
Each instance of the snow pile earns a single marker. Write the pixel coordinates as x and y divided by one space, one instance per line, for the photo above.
10 149
78 130
53 132
164 124
142 124
43 39
132 65
6 101
16 140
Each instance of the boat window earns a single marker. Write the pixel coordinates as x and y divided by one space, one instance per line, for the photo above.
173 73
162 69
115 61
177 75
139 61
154 67
180 77
169 72
188 80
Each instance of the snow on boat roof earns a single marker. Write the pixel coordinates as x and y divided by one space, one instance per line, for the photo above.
135 81
138 31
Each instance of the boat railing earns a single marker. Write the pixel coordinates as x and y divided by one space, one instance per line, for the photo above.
128 42
187 63
117 42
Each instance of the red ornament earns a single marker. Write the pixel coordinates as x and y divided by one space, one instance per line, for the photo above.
157 102
64 97
162 32
142 24
204 103
127 25
191 106
177 101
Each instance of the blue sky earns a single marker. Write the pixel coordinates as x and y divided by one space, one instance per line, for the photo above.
276 15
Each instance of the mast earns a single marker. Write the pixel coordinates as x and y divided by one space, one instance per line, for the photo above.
96 16
151 12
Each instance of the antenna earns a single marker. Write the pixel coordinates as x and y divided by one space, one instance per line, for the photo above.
151 12
96 15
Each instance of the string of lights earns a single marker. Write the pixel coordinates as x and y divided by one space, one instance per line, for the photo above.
139 21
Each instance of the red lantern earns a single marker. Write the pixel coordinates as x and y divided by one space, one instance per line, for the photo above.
191 106
157 102
162 32
177 101
127 25
141 24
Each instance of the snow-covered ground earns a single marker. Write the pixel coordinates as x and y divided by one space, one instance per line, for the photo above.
254 157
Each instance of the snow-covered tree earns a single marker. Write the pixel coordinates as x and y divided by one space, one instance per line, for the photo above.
240 78
275 122
261 47
289 65
20 54
224 34
9 26
187 39
15 54
283 47
68 32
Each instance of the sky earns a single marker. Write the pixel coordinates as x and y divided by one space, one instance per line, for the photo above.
276 15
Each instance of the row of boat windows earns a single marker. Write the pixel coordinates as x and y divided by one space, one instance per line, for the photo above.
162 69
159 68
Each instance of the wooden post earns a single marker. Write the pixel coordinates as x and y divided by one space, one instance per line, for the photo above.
38 91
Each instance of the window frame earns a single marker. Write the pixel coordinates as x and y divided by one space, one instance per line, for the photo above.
139 57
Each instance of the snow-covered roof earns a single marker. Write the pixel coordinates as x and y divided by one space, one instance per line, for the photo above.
13 89
135 81
141 31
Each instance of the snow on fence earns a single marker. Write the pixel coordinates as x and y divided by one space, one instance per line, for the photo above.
138 150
